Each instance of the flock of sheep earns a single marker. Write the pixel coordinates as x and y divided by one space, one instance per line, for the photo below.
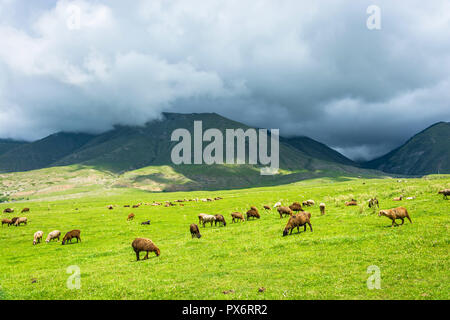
297 218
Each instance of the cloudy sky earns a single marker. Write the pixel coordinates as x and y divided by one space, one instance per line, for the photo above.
312 68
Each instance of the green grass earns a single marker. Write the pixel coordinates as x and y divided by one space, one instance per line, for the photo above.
329 263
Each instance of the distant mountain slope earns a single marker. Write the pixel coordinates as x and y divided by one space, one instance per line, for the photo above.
42 153
317 150
427 152
8 145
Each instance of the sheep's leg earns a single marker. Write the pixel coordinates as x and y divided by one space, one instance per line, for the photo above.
137 255
409 218
298 229
310 227
146 256
291 231
403 221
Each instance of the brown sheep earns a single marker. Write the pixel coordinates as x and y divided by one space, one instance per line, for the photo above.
395 213
7 221
135 206
130 217
398 198
220 219
21 220
144 244
237 216
70 235
126 206
445 192
267 208
195 231
351 203
13 220
296 221
296 207
253 213
25 210
308 203
322 208
8 210
284 211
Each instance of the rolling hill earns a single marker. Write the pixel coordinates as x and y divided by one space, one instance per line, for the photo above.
427 152
8 145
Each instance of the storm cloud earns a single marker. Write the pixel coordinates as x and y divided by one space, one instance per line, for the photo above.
311 68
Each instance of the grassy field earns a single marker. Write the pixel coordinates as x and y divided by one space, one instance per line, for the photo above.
329 263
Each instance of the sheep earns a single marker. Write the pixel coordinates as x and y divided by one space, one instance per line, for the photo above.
351 203
110 207
277 204
38 237
322 208
445 193
296 221
395 213
410 198
135 206
208 218
398 198
200 218
144 244
145 222
130 216
8 210
237 216
13 220
267 208
21 220
220 219
25 210
195 232
55 234
126 206
70 235
284 211
374 203
308 203
296 207
7 221
253 213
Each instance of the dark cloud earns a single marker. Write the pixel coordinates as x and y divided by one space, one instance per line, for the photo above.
310 69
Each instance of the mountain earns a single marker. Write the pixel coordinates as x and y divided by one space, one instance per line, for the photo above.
427 152
140 156
42 153
8 145
317 150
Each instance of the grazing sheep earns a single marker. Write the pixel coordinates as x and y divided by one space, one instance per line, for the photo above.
195 232
445 192
308 203
253 213
208 218
322 208
277 204
284 211
267 208
351 203
296 207
237 216
55 234
220 219
410 198
395 213
135 206
296 221
143 244
21 220
7 221
146 222
13 220
398 198
126 206
8 210
110 207
374 203
218 198
156 203
38 237
130 216
25 210
70 235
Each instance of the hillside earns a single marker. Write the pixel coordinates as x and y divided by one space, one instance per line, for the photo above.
8 145
427 152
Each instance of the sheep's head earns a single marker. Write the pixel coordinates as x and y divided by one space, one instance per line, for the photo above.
199 235
158 252
381 213
285 232
34 242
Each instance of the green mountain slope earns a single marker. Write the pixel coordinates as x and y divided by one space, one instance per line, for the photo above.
8 145
427 152
42 153
318 150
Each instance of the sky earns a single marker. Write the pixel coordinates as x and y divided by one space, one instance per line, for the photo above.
309 68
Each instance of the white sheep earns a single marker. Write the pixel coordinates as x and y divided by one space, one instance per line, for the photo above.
53 235
322 208
277 204
38 237
208 218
